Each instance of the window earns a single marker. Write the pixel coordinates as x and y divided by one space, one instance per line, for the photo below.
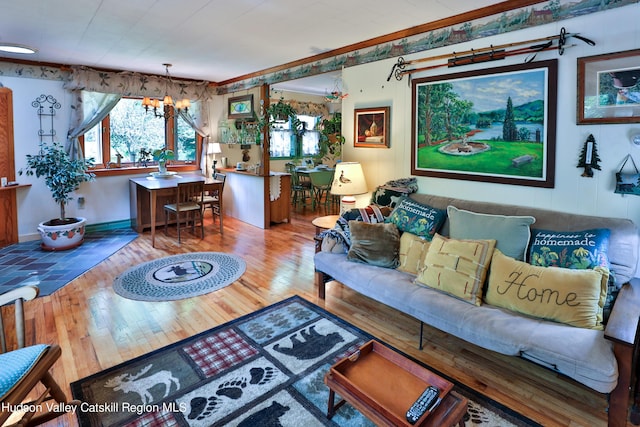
128 129
285 144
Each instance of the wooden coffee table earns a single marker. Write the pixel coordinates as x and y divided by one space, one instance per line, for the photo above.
382 384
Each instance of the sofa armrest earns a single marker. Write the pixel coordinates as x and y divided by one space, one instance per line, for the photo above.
622 326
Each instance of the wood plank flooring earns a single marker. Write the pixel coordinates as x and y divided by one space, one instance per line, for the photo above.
98 329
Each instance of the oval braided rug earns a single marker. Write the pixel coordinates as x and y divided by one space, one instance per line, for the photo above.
179 276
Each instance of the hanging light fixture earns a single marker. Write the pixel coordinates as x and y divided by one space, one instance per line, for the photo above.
167 101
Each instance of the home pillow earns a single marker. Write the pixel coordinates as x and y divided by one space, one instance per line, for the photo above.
457 267
375 244
578 250
511 233
413 249
416 218
574 297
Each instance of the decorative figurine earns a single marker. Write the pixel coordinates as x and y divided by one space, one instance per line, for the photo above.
589 157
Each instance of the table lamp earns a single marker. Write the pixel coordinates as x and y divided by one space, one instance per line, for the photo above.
348 180
214 148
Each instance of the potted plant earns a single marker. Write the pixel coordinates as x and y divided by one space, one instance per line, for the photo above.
331 139
63 176
281 112
161 155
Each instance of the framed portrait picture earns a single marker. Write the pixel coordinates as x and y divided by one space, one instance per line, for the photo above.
492 125
241 107
371 127
609 88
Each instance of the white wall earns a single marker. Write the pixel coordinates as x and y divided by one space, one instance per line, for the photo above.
613 31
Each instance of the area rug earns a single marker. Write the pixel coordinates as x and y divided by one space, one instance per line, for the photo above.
27 264
179 276
263 369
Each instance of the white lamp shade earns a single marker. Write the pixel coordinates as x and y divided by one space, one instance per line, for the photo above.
214 148
348 179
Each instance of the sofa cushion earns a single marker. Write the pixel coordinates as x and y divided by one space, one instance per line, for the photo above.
416 218
457 267
574 297
570 249
376 244
580 250
412 252
512 233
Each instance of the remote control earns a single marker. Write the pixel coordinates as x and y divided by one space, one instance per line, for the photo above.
427 400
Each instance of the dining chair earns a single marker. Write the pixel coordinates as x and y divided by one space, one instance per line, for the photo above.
188 203
23 368
212 199
300 190
321 185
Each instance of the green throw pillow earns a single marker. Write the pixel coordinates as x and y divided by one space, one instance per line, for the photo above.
512 233
416 218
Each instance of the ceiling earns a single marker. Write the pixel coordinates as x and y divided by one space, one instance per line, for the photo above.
214 40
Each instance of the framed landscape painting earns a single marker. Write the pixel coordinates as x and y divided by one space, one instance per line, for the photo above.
493 125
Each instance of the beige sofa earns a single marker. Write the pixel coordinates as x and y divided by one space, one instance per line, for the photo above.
600 359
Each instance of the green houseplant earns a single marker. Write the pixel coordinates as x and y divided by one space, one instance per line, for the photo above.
331 139
281 112
62 175
162 155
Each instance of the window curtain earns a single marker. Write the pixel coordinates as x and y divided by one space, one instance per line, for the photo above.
198 118
87 110
118 84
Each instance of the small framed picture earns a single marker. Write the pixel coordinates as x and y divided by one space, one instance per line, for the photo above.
371 127
241 107
609 88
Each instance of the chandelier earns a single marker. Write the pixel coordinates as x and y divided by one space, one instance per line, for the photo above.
167 101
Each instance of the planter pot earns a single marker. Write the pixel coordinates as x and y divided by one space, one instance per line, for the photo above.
60 235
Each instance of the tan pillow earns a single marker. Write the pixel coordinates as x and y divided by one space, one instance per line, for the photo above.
574 297
375 244
413 249
458 267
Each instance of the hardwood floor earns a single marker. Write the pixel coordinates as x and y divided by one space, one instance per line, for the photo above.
98 329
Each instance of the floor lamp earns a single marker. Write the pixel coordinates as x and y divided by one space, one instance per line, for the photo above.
348 181
214 148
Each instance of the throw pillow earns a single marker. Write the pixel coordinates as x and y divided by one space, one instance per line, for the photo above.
388 196
579 250
416 218
574 297
375 244
511 233
570 249
457 267
413 249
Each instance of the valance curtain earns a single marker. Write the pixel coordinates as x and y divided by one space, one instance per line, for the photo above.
128 83
87 110
308 108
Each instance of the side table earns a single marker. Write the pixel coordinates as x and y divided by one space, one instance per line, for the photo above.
323 223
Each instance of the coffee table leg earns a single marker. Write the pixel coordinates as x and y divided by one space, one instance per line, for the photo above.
331 409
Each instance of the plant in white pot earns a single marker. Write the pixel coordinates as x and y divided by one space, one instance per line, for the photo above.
63 176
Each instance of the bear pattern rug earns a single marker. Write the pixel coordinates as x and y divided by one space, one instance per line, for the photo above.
266 368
